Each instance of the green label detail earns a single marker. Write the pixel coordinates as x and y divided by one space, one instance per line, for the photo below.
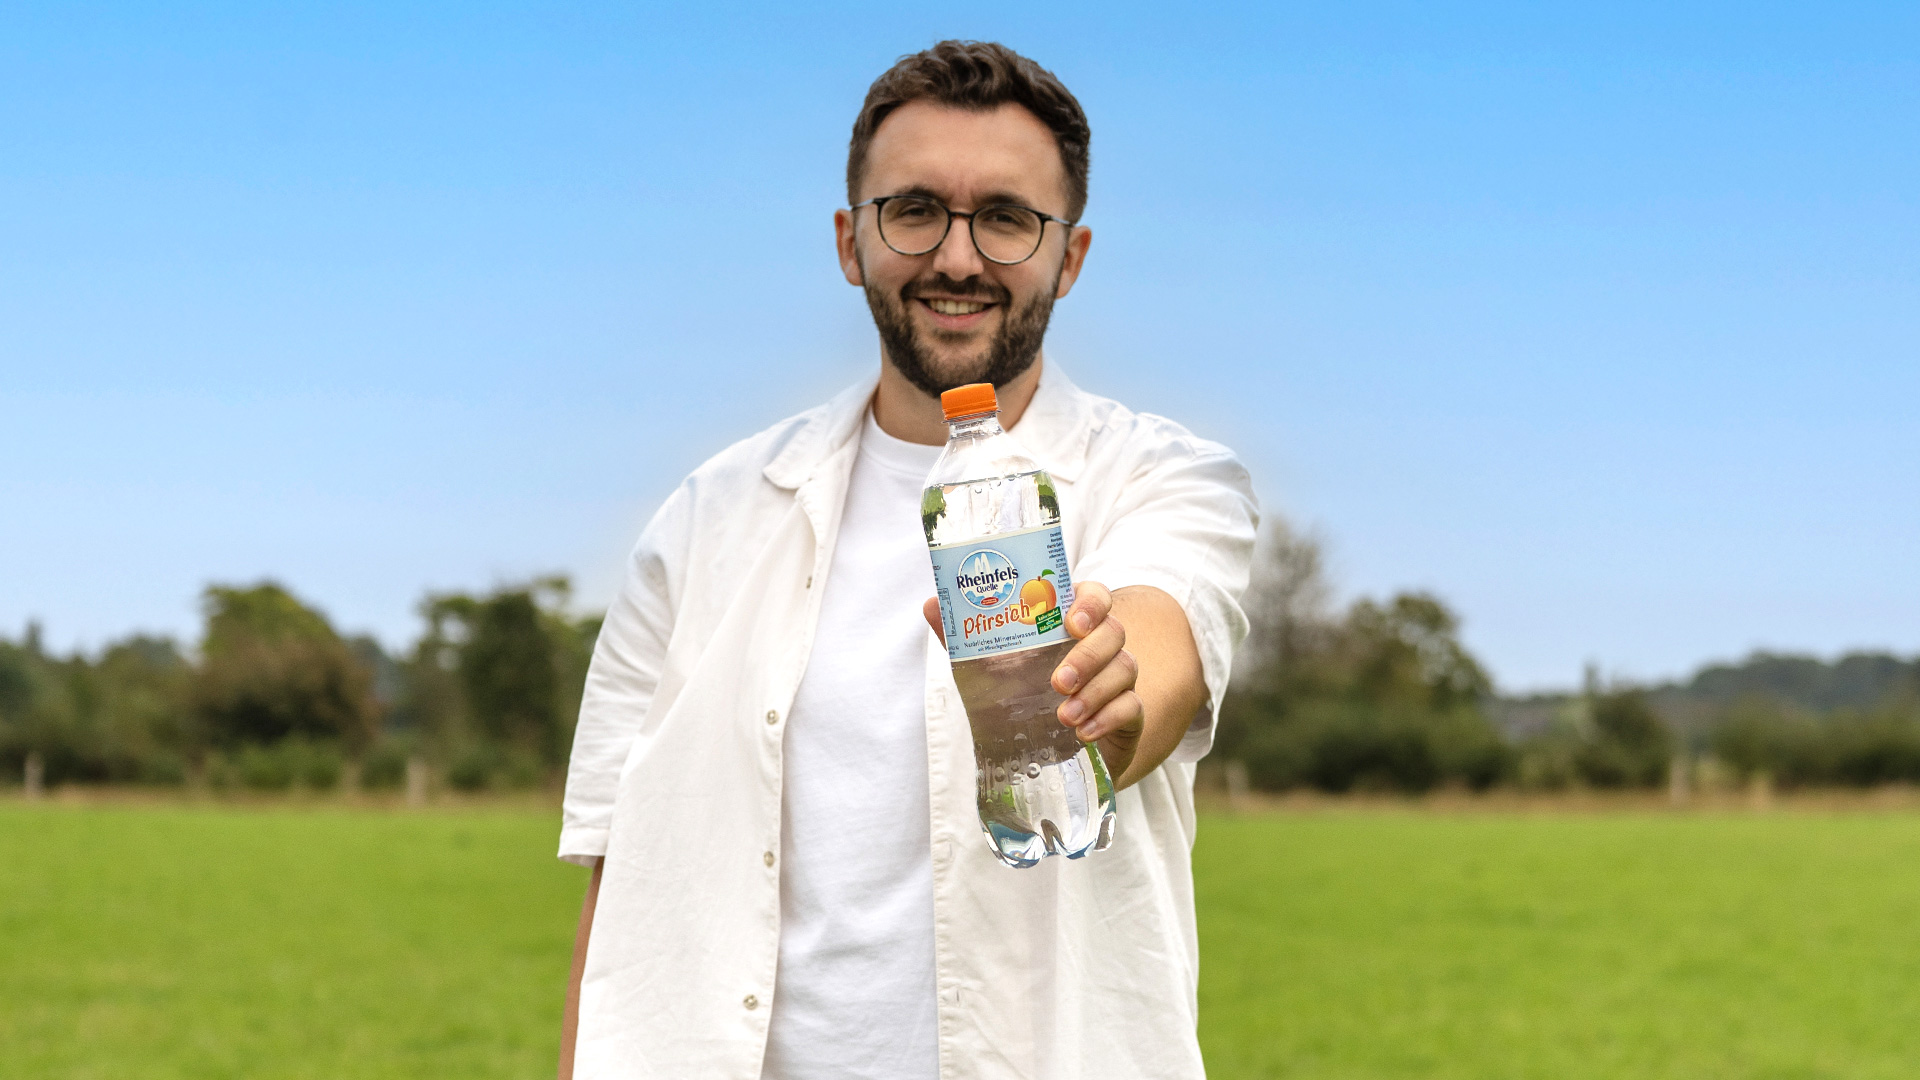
1048 620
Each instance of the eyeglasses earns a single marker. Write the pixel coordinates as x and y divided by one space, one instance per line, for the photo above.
1003 233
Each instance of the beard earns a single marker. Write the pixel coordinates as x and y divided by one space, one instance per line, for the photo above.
1011 352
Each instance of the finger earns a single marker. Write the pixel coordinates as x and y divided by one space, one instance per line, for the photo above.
1125 713
931 609
1108 683
1091 605
1094 652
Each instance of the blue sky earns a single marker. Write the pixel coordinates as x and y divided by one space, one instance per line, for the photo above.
1604 325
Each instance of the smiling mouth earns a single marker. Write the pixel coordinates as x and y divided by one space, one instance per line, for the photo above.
955 307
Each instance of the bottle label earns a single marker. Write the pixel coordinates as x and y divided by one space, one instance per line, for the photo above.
1004 592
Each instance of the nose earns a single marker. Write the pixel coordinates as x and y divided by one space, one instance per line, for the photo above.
956 256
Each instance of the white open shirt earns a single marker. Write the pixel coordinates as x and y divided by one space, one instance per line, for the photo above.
1071 969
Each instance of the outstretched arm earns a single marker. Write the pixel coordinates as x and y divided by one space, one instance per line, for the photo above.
1134 680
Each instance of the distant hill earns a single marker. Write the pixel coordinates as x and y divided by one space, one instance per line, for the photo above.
1858 680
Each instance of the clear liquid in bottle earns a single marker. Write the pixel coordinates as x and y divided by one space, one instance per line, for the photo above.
992 523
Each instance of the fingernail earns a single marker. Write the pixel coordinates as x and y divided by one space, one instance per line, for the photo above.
1072 710
1066 679
1082 623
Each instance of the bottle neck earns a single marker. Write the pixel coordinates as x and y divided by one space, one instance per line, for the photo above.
974 427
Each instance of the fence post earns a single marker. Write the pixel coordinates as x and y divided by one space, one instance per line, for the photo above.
1679 779
36 775
416 781
1237 785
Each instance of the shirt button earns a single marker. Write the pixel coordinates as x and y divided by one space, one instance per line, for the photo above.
751 1002
768 858
773 716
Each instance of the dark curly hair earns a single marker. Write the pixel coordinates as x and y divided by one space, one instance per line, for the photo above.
977 75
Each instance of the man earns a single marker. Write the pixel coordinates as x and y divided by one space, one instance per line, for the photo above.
773 775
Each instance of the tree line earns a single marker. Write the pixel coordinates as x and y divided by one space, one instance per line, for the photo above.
1382 695
1375 695
273 696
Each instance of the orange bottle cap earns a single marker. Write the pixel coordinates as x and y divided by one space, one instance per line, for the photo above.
969 400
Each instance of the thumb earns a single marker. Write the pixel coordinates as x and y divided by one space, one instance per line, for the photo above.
931 609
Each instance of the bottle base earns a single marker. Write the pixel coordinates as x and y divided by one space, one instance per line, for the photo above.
1065 808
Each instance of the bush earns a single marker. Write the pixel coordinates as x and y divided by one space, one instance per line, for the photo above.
316 765
520 771
1340 746
164 770
1546 764
278 767
1877 749
1757 736
1470 751
1628 745
385 767
264 768
473 768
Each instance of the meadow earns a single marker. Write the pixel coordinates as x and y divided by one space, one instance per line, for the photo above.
289 941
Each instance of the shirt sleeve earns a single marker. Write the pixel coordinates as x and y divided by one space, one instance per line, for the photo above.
621 680
1185 526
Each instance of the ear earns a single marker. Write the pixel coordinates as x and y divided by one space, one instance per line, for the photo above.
843 239
1078 241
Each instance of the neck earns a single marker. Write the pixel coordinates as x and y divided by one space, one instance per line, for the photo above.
905 412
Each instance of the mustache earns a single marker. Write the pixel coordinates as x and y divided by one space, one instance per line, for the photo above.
972 288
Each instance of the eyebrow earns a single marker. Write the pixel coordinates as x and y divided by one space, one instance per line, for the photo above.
991 198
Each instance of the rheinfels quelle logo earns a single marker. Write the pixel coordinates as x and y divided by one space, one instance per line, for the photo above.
989 583
987 579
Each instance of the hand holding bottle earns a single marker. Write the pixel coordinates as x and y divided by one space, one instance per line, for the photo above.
1098 675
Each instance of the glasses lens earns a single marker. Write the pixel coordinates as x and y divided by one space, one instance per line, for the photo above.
1007 234
911 225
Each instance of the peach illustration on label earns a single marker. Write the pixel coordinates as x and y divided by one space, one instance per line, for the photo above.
1037 597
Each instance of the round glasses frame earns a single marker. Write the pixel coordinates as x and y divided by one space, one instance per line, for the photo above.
879 208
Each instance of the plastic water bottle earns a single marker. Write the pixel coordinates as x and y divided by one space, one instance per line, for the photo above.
992 521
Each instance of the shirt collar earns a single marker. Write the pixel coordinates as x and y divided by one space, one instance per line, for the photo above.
1057 425
1054 429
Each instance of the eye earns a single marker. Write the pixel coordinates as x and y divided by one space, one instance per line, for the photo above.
912 210
1008 219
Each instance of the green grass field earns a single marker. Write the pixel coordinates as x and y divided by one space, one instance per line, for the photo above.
264 943
1560 946
161 942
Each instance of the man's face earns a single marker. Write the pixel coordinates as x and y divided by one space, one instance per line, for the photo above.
951 317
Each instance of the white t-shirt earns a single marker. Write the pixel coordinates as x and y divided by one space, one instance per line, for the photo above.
854 997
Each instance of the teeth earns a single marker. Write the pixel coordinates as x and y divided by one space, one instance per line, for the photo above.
955 307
